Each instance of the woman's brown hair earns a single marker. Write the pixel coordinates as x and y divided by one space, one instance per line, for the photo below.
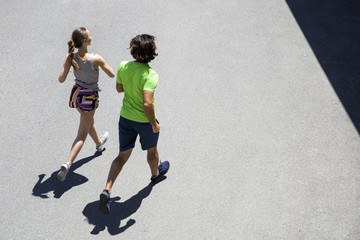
76 41
142 48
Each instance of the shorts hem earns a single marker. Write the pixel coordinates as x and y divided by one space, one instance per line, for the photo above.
126 148
147 148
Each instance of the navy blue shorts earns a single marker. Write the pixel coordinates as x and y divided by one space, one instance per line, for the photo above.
129 130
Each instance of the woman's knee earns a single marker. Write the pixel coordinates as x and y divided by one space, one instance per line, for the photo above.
81 136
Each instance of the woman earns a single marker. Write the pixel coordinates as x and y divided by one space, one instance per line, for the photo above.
84 95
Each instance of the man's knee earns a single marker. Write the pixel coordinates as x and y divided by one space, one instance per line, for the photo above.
119 161
123 156
152 152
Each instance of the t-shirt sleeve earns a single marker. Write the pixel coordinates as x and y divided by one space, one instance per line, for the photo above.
151 81
118 78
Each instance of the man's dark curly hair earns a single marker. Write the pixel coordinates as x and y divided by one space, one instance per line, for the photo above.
142 48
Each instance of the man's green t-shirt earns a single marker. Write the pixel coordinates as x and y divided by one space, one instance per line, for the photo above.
135 78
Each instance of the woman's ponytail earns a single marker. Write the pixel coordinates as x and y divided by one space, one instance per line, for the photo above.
72 54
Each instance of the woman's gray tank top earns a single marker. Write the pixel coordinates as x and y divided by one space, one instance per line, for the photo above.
86 76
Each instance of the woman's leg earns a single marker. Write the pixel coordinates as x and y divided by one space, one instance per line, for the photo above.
86 120
94 134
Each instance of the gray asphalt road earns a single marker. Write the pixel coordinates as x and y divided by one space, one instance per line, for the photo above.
260 145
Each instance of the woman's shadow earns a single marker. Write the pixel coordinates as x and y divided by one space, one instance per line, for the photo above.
42 188
118 211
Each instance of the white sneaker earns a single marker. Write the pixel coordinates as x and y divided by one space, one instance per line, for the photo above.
63 171
103 139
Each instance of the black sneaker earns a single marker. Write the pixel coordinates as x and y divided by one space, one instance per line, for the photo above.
163 169
104 205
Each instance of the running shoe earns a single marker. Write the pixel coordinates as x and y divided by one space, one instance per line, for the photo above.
63 171
104 204
163 169
103 139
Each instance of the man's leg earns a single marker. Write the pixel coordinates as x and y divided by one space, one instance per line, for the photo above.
116 167
153 160
157 171
148 140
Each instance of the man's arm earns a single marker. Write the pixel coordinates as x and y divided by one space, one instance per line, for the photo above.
149 110
119 87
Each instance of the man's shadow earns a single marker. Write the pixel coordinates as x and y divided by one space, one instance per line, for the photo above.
118 211
59 188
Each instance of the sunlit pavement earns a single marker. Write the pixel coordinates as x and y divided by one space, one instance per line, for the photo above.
261 142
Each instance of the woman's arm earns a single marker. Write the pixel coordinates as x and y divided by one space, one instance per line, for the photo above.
65 69
98 61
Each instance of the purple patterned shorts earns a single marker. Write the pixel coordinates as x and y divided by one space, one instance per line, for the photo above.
84 99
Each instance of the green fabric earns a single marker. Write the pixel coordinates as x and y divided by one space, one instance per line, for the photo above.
135 78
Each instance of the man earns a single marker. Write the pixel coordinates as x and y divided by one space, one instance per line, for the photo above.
137 117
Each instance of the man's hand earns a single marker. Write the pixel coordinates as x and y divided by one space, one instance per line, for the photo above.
156 127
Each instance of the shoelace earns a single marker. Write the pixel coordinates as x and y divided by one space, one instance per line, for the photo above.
160 167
